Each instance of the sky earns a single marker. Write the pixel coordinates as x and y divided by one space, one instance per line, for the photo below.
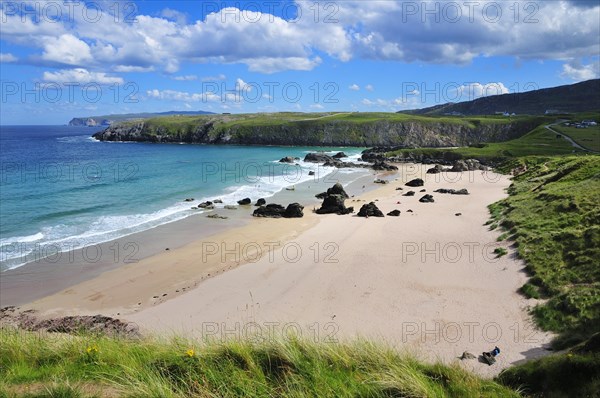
65 59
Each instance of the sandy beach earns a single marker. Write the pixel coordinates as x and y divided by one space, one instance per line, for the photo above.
427 281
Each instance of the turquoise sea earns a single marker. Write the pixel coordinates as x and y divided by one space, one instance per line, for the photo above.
60 189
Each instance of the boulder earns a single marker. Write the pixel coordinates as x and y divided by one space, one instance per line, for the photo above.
337 189
458 214
260 202
294 210
287 159
204 205
394 213
438 168
468 165
340 155
381 165
399 189
409 211
427 199
216 216
318 158
245 202
453 191
311 173
417 182
189 200
218 201
423 190
380 181
370 210
270 210
334 204
410 193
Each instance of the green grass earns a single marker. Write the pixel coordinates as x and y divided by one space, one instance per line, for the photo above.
538 142
500 251
588 138
62 367
575 373
552 214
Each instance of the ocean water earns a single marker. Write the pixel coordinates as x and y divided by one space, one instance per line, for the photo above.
60 189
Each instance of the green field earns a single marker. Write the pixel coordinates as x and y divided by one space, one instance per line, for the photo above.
588 137
538 142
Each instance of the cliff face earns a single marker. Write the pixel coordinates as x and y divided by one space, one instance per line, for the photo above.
377 133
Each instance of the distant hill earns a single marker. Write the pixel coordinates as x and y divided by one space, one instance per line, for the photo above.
580 97
107 120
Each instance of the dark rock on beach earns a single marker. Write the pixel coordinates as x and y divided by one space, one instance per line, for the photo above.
245 202
452 191
260 202
381 165
318 158
334 201
417 182
467 165
334 204
204 205
438 168
287 159
293 210
410 193
379 181
427 199
370 210
394 213
340 155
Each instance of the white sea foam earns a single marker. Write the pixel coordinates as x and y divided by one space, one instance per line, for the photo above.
84 232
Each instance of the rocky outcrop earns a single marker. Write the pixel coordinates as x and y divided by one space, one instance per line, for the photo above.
287 159
340 155
92 324
334 201
452 191
370 210
260 202
293 210
467 165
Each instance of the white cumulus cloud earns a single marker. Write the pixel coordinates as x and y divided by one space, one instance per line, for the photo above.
80 76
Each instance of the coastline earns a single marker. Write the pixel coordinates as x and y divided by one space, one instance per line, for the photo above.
355 277
49 275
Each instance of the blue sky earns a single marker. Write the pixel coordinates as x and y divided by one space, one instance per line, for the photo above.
65 59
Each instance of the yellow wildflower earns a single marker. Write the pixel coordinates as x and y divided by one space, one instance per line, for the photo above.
190 353
92 349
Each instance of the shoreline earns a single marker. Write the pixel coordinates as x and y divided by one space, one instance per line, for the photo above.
426 302
46 276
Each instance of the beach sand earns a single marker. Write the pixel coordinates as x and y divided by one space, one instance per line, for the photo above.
426 282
